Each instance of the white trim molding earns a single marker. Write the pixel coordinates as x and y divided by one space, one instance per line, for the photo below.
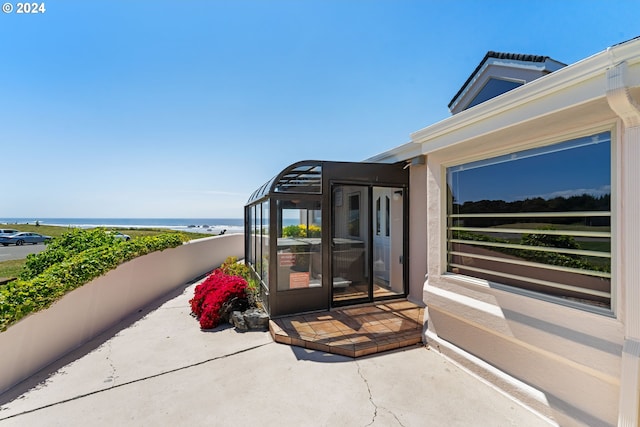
625 106
619 96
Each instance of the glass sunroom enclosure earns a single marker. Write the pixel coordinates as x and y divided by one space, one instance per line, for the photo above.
325 234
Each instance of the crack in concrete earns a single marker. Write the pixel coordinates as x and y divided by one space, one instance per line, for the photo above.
376 408
113 386
111 378
366 382
394 416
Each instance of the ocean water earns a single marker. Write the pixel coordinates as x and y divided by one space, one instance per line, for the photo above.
200 225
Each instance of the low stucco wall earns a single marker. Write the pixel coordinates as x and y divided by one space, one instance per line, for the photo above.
42 338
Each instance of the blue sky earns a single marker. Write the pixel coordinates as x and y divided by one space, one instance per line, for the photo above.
183 108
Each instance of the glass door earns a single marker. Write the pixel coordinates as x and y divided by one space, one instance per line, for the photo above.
388 242
367 247
350 244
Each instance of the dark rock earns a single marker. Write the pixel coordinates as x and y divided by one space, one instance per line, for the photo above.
256 319
234 304
237 320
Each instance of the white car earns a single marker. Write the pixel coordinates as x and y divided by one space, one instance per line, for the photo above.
7 232
119 235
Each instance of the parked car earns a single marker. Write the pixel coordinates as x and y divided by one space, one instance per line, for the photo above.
119 235
122 236
8 231
20 239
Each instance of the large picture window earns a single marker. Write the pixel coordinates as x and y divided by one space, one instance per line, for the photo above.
537 219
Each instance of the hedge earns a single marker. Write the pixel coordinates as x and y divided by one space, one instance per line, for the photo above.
31 293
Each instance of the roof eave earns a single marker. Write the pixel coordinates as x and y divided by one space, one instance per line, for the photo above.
401 153
570 76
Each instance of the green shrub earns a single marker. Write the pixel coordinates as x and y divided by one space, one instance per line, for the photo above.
76 267
301 230
64 247
232 267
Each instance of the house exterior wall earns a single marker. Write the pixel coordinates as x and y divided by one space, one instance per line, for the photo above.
418 231
577 366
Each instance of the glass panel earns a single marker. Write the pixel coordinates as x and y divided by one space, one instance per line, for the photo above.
250 252
388 213
299 245
255 232
378 216
350 247
264 228
388 248
536 219
305 178
355 213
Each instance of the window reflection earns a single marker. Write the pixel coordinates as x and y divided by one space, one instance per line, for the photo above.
536 219
299 244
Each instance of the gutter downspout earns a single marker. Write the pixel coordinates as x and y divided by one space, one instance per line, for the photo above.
623 104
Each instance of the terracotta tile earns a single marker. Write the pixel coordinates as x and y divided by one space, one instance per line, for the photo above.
325 329
317 346
407 343
341 326
277 331
360 338
273 326
286 323
282 334
365 351
356 311
283 339
355 331
394 327
379 328
343 351
306 337
341 342
297 342
295 324
304 329
333 335
386 346
408 325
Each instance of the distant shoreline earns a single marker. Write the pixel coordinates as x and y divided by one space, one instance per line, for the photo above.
200 225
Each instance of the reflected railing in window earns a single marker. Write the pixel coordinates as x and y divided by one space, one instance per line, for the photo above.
567 260
556 240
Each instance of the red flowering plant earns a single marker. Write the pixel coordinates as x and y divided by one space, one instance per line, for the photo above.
211 295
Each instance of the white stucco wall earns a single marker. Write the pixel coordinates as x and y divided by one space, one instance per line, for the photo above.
418 232
576 366
43 337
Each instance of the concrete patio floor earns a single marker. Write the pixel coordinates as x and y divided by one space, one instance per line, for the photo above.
159 368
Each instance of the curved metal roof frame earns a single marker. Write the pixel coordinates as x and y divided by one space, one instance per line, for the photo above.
300 177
